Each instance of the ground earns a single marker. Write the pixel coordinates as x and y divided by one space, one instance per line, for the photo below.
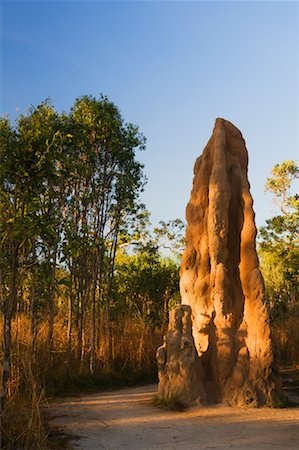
126 419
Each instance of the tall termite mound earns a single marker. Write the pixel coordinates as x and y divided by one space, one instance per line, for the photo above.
227 353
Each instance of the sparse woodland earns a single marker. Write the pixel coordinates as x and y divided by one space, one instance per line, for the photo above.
85 287
279 259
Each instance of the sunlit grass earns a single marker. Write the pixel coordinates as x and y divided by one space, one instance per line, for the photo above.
35 380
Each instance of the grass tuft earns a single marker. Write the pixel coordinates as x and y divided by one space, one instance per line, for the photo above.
173 403
280 404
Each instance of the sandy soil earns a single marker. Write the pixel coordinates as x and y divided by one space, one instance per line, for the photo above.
127 420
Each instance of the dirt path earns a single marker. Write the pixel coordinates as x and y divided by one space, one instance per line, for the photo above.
127 420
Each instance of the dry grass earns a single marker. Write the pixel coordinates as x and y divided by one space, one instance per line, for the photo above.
35 377
23 425
134 344
286 337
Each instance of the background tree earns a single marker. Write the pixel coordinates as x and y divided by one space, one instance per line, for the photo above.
68 185
27 165
279 240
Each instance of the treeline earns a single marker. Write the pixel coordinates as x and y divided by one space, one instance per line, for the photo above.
83 286
279 259
279 241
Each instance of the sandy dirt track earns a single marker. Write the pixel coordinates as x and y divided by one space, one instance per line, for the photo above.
127 420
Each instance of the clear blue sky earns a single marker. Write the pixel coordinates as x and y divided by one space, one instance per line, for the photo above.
172 68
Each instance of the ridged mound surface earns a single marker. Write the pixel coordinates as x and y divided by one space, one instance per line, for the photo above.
221 282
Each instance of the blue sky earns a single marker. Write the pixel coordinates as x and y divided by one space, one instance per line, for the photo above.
172 68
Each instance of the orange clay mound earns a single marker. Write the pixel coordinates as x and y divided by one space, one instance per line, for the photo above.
218 346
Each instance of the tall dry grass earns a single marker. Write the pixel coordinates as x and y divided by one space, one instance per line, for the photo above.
286 337
35 378
23 425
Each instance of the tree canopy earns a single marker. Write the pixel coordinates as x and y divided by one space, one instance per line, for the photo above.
279 239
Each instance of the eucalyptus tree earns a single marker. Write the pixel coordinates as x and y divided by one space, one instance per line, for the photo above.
279 238
40 136
146 285
69 187
11 237
105 180
147 269
24 149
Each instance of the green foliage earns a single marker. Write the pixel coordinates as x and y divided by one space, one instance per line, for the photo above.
280 182
68 183
170 236
146 285
279 241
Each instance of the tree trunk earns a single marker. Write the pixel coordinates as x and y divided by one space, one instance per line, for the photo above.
109 293
6 367
70 326
32 321
6 344
52 304
82 335
93 316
